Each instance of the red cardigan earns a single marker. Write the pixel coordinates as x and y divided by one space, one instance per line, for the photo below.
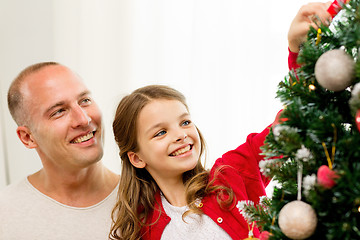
242 175
246 181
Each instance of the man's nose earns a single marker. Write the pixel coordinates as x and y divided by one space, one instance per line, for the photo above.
80 117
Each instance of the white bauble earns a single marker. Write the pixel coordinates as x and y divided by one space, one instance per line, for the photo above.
297 220
334 70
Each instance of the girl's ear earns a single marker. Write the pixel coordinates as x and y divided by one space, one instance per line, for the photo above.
135 160
26 137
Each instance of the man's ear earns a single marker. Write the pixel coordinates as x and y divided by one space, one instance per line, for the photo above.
136 160
26 137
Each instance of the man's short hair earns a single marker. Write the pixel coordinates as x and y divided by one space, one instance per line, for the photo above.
15 95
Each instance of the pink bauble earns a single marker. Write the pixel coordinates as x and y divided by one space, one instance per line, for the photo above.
326 177
297 220
264 235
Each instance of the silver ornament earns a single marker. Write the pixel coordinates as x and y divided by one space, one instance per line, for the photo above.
297 220
335 70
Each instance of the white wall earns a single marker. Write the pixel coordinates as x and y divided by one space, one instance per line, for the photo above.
227 57
26 37
3 163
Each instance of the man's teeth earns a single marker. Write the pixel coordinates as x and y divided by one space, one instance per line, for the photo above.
84 138
181 151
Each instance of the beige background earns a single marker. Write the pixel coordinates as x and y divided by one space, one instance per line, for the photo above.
226 56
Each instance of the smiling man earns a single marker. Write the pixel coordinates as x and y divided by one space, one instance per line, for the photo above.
72 196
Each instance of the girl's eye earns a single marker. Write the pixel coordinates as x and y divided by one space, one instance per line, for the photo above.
162 132
186 122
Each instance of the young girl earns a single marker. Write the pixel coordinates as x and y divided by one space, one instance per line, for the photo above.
165 192
162 176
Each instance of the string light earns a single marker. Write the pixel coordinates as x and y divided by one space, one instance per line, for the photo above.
312 87
318 36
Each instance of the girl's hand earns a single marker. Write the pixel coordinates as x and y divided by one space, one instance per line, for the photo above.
311 14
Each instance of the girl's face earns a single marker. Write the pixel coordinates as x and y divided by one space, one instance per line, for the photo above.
168 141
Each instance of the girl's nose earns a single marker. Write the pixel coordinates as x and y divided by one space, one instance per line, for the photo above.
181 137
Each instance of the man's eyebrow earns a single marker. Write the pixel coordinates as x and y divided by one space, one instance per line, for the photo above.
54 106
84 93
61 103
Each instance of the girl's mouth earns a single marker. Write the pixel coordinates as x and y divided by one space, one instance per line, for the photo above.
181 151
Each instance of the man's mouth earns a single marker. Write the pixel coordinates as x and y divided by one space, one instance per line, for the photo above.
84 138
181 151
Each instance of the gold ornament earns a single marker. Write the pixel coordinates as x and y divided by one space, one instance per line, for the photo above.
251 233
329 159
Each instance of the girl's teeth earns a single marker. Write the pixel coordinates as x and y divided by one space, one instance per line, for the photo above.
181 151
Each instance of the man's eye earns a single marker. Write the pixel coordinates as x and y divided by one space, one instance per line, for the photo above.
162 132
86 101
57 113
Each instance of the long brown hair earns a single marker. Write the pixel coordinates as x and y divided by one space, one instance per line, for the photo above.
136 195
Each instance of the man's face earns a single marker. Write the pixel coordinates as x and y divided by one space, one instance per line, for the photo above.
65 123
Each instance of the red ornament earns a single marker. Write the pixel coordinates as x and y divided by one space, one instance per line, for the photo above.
264 235
357 119
336 6
326 177
279 119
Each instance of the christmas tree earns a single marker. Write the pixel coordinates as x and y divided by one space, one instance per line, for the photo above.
313 151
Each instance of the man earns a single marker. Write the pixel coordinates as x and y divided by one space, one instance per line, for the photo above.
72 196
